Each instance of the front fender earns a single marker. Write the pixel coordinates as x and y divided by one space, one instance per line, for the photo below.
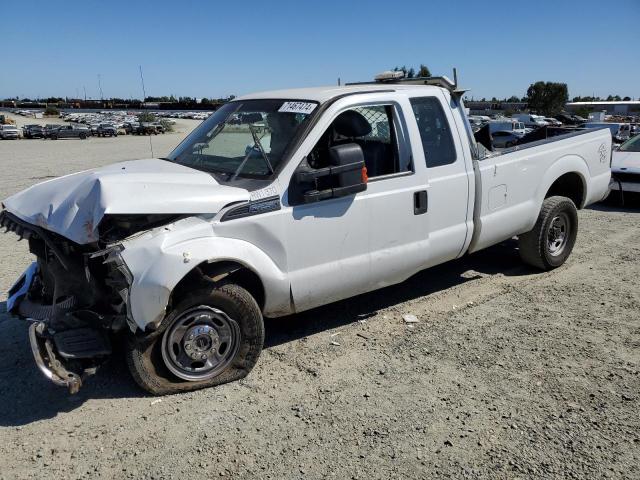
160 259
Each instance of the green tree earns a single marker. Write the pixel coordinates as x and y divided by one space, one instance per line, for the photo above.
146 117
548 98
411 73
423 71
52 111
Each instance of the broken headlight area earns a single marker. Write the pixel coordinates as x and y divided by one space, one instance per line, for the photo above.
114 228
75 295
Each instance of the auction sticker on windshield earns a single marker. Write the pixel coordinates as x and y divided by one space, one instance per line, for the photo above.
297 107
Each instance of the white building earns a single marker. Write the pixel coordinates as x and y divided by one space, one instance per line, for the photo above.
628 107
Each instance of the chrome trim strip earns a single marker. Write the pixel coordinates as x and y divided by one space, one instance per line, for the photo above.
37 355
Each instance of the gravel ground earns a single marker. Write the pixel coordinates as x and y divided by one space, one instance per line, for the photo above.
509 373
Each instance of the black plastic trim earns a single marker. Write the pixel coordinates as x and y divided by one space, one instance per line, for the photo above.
249 209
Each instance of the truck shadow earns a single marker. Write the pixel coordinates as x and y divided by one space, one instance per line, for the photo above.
26 396
627 203
500 259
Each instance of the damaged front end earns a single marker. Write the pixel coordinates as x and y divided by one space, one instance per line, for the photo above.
76 298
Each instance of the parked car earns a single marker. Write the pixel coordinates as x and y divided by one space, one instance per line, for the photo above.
144 128
620 132
185 255
625 166
552 121
505 138
69 131
530 120
106 130
159 127
129 127
516 129
9 132
33 131
49 129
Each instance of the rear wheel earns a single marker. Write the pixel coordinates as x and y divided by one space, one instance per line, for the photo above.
550 242
212 336
83 136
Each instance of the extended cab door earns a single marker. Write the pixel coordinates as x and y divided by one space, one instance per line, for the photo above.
437 147
331 243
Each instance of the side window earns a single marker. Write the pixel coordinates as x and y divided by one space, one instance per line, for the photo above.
372 128
435 132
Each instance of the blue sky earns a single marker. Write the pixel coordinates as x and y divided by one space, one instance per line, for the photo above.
213 49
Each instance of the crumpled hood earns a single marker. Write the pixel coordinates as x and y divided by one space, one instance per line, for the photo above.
74 205
626 162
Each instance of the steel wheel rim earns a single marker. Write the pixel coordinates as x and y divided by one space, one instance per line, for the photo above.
558 234
200 343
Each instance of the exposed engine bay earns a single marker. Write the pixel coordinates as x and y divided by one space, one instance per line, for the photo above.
75 295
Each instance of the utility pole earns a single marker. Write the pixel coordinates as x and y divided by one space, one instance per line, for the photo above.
85 93
100 87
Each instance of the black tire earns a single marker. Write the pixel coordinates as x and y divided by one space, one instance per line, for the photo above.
145 357
82 136
550 242
53 137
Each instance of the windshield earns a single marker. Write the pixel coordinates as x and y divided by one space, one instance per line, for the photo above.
244 138
631 145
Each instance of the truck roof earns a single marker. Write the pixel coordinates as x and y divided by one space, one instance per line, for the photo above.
322 94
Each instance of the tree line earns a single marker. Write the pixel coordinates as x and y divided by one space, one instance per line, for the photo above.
125 101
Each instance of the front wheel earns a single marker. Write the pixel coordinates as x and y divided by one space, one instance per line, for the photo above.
212 336
550 242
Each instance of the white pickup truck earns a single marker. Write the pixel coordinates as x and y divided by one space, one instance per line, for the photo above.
278 203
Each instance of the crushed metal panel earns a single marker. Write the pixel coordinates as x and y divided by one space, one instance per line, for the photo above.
74 205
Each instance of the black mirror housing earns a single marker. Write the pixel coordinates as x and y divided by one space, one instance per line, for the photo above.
348 155
344 176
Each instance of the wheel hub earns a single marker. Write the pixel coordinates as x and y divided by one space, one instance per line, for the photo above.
200 343
558 234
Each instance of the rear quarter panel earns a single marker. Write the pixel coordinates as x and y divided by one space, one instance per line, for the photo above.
513 185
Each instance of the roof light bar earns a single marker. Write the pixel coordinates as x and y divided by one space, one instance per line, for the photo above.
389 75
398 77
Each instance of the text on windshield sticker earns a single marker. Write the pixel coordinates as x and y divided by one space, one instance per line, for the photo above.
297 107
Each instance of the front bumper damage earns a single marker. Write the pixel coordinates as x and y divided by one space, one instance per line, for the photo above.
47 362
75 299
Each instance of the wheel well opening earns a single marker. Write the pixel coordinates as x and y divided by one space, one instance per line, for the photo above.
569 185
208 274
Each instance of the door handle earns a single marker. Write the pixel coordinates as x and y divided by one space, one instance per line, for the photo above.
420 202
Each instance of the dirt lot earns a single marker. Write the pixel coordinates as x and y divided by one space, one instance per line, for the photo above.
510 373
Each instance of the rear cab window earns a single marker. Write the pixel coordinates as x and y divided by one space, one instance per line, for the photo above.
435 132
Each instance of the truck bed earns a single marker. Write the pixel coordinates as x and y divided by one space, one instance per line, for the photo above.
512 183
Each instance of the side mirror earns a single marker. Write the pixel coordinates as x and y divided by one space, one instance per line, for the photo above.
345 175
